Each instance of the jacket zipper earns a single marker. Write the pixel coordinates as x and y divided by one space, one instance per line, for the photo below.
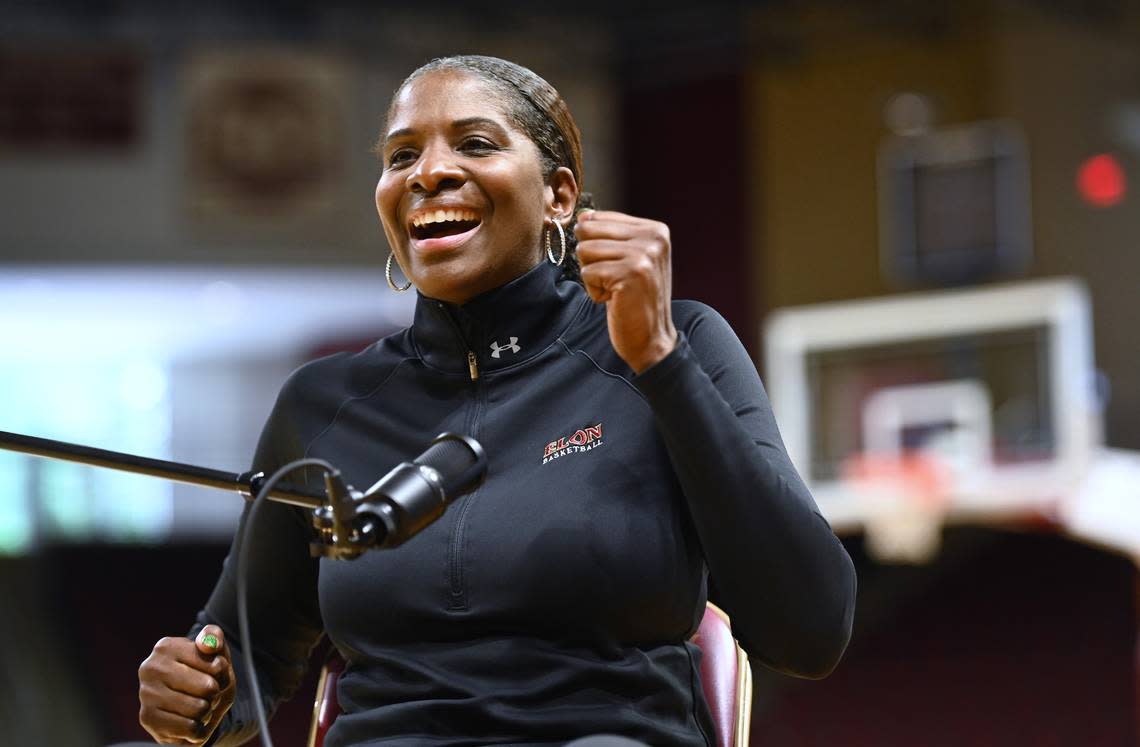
472 366
457 584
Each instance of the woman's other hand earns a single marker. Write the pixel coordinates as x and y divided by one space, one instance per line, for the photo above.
626 265
185 687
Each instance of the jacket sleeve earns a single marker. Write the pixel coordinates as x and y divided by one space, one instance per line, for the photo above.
778 569
285 621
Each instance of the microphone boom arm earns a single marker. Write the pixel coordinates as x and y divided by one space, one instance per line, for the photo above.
245 483
347 522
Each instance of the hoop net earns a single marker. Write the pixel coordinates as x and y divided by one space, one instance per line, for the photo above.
904 500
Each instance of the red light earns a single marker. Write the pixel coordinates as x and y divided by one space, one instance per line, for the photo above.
1101 181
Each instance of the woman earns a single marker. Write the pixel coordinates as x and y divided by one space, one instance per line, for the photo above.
632 455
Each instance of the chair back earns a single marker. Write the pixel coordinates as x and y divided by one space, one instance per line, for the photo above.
726 679
326 707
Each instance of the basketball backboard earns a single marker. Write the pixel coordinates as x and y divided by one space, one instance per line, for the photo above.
996 383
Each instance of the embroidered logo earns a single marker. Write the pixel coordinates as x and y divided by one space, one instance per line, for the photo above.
511 346
583 439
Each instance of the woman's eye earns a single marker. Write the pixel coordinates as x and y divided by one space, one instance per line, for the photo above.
478 144
401 157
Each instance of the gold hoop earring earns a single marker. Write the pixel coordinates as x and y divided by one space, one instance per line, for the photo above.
388 276
562 239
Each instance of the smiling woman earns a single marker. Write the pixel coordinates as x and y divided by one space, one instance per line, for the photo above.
557 601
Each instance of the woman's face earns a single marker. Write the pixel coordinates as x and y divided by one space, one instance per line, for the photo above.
462 196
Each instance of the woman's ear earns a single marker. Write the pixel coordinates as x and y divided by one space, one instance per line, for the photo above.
562 195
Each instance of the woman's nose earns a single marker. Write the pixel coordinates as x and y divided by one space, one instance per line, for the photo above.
435 171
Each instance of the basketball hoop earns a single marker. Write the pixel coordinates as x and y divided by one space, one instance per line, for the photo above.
904 500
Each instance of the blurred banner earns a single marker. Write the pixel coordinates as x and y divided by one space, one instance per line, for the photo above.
266 137
70 99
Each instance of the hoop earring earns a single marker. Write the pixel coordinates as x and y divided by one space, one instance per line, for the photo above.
562 239
388 276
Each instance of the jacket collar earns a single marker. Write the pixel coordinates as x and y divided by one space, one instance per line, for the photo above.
502 327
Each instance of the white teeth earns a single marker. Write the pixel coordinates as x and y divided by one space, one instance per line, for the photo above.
439 216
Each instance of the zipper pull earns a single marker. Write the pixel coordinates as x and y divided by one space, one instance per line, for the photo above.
472 366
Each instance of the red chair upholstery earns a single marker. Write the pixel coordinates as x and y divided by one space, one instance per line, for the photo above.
726 678
325 707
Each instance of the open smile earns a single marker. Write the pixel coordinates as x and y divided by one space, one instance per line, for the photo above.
436 229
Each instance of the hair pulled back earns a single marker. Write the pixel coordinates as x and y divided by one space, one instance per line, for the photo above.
536 108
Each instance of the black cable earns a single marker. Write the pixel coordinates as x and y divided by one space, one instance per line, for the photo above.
242 568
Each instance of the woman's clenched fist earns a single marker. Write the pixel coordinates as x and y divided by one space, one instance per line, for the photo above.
185 687
626 265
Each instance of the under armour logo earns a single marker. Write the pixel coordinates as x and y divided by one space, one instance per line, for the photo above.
511 346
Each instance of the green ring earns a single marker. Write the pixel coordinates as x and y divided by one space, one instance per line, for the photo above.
210 640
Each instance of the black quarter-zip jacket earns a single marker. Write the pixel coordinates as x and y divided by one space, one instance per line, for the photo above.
557 600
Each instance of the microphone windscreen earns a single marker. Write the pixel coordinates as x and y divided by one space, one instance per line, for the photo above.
459 459
449 457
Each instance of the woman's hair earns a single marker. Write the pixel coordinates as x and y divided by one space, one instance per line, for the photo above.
537 109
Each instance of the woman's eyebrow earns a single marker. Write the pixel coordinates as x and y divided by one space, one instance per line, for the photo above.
402 132
459 124
469 122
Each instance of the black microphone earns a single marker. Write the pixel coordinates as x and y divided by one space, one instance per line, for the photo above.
414 494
